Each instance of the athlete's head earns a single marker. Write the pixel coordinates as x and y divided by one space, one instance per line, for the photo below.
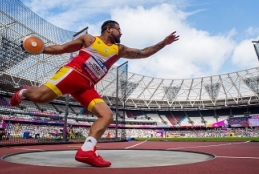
113 29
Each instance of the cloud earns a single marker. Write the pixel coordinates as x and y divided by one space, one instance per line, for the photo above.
252 31
74 14
144 23
197 53
244 55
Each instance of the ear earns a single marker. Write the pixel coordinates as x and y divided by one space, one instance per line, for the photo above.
109 30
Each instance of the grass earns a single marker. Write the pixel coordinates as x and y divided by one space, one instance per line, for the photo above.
209 139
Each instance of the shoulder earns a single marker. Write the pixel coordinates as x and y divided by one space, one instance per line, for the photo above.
87 39
121 47
87 36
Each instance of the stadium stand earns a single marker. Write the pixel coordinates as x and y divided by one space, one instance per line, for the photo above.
167 115
175 105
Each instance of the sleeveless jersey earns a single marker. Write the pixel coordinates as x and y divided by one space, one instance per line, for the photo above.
95 61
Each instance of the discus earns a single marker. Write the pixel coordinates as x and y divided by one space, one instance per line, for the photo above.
33 45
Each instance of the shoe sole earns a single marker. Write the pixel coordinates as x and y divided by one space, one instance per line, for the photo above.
82 160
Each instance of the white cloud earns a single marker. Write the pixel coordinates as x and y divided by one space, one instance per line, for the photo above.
244 55
144 23
72 15
251 31
185 58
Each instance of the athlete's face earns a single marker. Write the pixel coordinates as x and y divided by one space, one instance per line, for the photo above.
116 34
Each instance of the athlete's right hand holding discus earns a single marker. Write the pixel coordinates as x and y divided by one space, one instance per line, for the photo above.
32 44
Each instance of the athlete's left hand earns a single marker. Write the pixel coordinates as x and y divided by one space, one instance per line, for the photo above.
171 38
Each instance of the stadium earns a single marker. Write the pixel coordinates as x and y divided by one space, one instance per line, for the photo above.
224 105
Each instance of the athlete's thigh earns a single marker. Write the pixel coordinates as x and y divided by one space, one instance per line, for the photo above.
42 94
92 101
66 80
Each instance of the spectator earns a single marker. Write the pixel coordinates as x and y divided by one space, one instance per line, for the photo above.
2 127
57 134
37 132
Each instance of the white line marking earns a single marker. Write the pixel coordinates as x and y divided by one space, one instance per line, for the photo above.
194 147
136 144
28 149
237 157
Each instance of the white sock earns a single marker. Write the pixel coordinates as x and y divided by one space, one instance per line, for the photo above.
20 94
89 143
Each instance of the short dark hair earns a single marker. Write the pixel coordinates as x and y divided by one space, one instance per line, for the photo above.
108 23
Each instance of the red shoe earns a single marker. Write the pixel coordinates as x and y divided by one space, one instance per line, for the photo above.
92 158
16 100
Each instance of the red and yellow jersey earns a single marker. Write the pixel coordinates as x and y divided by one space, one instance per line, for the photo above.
95 61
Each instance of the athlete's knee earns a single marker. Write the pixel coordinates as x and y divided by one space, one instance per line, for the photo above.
110 116
105 114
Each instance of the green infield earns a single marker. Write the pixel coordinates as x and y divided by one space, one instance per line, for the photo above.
208 139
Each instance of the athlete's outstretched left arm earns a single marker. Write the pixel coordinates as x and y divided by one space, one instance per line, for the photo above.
133 53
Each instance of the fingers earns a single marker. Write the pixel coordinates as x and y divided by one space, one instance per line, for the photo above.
22 46
176 37
173 34
171 38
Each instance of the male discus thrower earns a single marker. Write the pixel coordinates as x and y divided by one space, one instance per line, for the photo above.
33 45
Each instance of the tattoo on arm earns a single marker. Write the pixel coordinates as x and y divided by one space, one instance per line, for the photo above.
90 41
133 53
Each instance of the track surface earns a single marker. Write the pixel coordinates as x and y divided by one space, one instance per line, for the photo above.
231 157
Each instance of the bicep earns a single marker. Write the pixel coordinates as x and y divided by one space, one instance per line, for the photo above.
131 53
73 46
79 43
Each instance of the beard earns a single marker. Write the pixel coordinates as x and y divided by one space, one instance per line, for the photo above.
117 39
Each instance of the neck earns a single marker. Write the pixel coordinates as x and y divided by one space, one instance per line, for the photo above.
106 40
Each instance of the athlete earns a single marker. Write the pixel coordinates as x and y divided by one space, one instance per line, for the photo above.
78 77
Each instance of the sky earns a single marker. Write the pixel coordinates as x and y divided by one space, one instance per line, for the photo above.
215 36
